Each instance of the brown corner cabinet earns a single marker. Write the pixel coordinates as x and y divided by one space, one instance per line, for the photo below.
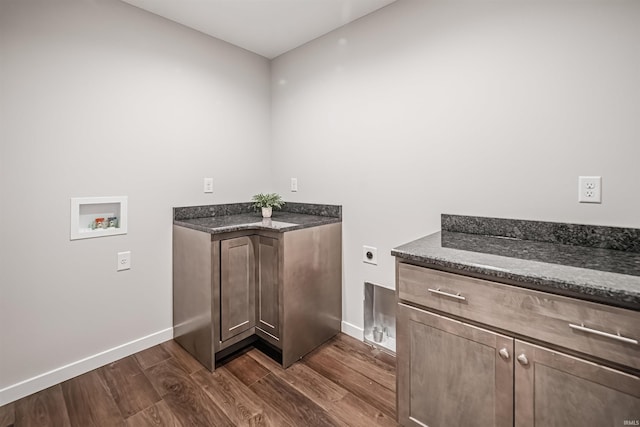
229 289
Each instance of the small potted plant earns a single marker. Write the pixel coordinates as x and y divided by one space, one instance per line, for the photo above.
267 202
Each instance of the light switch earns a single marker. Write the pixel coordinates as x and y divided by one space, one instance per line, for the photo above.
208 185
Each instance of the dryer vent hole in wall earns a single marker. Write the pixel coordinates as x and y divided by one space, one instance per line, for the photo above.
370 255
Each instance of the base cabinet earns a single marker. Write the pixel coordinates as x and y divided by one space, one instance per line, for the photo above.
231 289
455 371
451 373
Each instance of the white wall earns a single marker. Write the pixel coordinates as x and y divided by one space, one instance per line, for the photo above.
98 98
489 108
480 108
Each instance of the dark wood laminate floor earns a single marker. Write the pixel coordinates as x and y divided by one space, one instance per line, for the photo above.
342 383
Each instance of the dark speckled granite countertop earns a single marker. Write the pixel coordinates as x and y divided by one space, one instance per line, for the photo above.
217 219
549 259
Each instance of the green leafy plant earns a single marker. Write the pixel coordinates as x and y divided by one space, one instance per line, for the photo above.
271 200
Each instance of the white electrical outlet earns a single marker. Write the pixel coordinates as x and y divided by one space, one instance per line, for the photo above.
208 185
294 185
124 260
370 255
590 189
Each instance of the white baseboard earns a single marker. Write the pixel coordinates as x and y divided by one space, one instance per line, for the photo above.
63 373
353 330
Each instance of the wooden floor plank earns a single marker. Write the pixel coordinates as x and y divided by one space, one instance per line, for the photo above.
379 355
7 415
343 383
355 412
355 382
385 357
361 361
45 408
231 395
130 388
186 361
334 399
268 363
188 402
237 400
292 405
246 369
313 385
158 415
152 356
89 402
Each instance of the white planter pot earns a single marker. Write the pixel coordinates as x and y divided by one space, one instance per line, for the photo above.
266 212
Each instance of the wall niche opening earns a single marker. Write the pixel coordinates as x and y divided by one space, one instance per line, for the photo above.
380 317
98 217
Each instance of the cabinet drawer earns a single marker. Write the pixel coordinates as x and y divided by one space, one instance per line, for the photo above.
594 329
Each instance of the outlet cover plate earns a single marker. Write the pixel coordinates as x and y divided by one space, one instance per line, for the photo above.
124 260
590 189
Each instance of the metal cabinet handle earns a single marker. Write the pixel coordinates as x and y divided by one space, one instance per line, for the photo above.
618 337
504 353
447 294
523 359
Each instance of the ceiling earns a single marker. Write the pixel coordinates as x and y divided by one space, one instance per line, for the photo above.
266 27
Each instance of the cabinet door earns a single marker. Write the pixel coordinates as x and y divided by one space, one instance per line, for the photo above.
237 286
555 389
268 307
451 373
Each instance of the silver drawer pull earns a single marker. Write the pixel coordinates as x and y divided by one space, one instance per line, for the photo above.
603 334
447 294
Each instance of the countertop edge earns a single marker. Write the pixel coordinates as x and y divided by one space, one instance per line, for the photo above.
256 227
587 291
